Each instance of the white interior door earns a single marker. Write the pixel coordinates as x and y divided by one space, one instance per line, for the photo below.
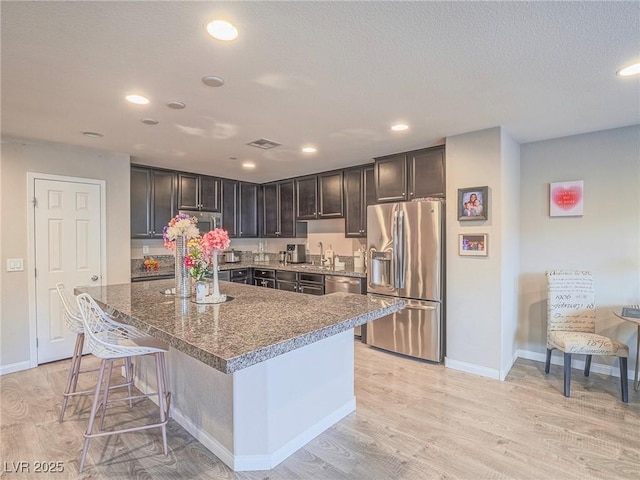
67 249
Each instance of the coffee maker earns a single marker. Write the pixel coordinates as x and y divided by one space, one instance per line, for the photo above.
296 253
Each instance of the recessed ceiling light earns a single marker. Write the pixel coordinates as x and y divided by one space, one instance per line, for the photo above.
92 134
222 30
137 99
399 127
248 165
149 121
212 81
176 105
309 150
630 70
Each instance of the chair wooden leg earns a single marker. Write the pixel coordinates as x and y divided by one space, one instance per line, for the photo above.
624 379
587 365
548 362
567 374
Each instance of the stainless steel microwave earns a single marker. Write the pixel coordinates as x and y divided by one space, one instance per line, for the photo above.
206 220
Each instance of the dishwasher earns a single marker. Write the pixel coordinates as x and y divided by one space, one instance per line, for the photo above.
334 283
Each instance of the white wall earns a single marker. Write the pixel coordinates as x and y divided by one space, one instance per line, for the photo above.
474 284
605 240
19 157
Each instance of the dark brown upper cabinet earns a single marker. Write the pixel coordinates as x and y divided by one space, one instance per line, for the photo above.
153 201
390 175
330 195
198 192
319 196
248 208
426 173
230 207
279 209
411 175
307 197
240 208
359 193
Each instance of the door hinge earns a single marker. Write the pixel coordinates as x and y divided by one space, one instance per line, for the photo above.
37 342
35 272
35 202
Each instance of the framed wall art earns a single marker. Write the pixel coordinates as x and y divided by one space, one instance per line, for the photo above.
473 203
472 245
566 199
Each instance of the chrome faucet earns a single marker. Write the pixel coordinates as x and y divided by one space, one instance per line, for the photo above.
321 254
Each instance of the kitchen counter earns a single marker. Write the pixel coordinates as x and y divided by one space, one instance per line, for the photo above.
257 377
256 325
292 267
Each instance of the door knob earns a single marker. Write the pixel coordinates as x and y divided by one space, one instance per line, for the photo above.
94 278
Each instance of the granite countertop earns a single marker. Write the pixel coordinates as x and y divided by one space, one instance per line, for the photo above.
292 267
256 325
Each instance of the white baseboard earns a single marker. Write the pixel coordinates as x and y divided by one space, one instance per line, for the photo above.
14 367
577 363
471 368
245 463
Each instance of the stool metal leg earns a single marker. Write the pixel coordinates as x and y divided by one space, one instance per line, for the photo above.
72 379
162 388
105 396
92 416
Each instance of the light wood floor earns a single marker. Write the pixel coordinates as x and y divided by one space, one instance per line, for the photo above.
413 421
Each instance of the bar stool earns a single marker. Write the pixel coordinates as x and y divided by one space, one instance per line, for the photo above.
110 344
73 321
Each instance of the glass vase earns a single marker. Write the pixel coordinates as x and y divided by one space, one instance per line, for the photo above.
202 290
183 280
216 286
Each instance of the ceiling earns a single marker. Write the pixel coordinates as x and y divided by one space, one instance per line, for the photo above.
335 75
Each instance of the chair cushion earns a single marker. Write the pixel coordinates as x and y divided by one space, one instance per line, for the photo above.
585 343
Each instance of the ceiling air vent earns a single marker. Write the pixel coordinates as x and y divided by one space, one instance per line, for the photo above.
264 144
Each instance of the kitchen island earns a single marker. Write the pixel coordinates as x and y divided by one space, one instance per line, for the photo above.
257 377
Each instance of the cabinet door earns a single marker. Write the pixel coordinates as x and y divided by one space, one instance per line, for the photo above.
286 285
353 199
330 195
163 204
187 191
209 194
230 207
307 197
140 202
369 195
248 206
311 289
270 203
391 178
426 173
286 203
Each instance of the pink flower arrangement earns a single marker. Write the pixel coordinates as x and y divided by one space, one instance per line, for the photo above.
199 260
217 239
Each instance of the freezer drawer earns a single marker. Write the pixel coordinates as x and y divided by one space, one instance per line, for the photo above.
415 331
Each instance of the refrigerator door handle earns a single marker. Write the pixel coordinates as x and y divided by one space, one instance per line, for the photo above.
402 254
395 253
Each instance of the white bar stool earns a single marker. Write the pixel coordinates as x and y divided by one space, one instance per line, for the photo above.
73 321
109 344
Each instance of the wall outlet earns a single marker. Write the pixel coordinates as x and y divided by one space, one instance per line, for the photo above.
15 264
145 249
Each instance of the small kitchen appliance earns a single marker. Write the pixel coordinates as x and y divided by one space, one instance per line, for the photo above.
296 253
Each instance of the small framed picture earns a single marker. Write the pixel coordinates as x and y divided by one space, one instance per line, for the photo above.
473 203
474 245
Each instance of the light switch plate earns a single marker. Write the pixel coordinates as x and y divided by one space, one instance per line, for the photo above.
145 249
15 264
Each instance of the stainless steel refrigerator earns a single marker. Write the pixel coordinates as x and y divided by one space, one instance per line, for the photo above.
405 256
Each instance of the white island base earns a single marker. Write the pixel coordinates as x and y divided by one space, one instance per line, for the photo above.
258 416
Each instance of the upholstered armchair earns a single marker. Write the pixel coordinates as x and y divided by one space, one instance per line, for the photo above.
571 325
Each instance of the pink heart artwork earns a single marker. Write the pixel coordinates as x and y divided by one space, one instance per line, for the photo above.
566 198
